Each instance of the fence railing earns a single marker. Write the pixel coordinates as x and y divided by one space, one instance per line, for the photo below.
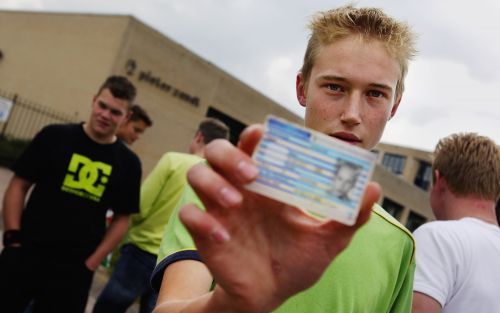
26 118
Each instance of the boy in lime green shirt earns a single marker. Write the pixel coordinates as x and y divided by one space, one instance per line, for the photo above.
160 192
266 256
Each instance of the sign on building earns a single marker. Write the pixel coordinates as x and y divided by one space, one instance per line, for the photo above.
5 106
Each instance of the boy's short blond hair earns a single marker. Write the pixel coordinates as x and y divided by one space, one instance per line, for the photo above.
370 23
470 164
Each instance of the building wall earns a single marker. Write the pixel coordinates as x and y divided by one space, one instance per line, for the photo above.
177 88
403 192
413 158
57 59
402 188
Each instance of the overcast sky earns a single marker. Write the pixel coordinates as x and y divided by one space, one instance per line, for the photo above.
453 85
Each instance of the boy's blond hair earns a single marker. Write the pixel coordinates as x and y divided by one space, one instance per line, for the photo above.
370 23
470 164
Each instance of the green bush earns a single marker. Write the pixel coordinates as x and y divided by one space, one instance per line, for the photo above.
10 150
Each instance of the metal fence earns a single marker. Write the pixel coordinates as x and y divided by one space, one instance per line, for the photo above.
26 118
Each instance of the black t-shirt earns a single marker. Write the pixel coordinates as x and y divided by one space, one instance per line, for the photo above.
76 181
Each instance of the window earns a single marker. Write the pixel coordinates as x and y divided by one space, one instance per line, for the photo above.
424 175
414 221
392 207
235 126
394 163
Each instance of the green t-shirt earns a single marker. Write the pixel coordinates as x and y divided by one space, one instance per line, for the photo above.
374 273
160 192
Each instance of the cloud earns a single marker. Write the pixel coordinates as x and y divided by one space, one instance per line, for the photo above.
280 81
443 97
20 4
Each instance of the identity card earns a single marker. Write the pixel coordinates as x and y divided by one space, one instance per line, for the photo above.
321 175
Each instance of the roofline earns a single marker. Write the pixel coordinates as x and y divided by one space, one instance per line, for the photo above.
135 19
17 11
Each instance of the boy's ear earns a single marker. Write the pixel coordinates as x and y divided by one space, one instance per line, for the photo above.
300 88
439 180
395 106
127 116
199 137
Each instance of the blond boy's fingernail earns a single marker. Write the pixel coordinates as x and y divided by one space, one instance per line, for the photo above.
247 170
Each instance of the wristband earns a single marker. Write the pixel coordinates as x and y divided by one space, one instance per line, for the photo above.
11 237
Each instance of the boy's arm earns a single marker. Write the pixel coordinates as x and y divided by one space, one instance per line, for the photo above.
422 303
185 287
13 202
259 251
114 235
27 170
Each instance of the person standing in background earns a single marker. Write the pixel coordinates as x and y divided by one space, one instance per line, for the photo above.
160 192
54 243
458 256
135 126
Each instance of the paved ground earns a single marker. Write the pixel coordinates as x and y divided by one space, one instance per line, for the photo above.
101 275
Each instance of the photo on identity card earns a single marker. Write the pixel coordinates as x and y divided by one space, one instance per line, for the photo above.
321 175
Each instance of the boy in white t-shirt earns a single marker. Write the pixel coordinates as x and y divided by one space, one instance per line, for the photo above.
458 256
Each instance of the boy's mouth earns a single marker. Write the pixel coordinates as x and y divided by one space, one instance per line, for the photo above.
347 137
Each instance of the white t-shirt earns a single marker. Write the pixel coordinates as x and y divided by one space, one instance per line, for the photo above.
458 264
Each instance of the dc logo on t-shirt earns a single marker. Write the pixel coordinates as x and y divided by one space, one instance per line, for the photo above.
86 178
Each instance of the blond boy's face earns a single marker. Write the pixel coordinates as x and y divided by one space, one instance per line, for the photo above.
350 93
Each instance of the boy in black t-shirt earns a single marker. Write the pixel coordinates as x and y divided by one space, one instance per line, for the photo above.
53 246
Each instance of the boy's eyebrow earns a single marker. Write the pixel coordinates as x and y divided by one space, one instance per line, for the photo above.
343 79
332 77
382 86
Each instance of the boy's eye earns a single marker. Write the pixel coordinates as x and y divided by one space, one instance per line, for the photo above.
375 93
116 112
334 87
